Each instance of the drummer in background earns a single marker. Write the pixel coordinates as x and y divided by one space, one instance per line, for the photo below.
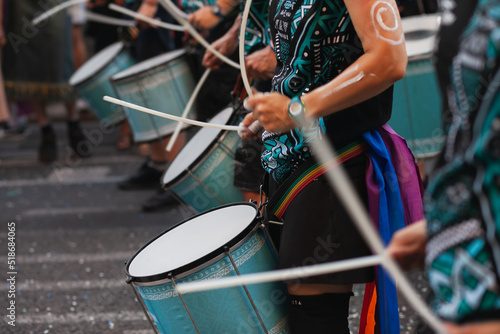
150 42
337 63
215 94
26 80
260 63
459 242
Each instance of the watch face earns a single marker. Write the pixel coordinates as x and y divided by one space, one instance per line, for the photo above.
295 108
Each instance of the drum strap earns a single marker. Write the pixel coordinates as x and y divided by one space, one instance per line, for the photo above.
305 174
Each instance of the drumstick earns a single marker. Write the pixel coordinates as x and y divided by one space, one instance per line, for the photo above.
55 10
177 14
178 128
155 22
280 275
172 117
108 20
255 127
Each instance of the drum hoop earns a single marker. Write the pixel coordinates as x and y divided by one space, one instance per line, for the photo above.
102 68
424 56
205 260
204 155
146 72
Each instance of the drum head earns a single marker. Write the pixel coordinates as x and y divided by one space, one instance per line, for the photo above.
148 64
201 141
420 33
99 61
192 242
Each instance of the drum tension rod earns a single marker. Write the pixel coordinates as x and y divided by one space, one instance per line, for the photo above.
171 277
143 306
228 253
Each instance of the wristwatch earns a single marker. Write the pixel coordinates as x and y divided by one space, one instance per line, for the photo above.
216 10
296 110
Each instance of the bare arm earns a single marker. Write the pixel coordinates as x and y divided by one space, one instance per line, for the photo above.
379 27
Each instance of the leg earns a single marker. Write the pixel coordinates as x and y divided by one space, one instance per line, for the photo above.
47 151
319 309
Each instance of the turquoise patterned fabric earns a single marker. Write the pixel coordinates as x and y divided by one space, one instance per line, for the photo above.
311 51
463 200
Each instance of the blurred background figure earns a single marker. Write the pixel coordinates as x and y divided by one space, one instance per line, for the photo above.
38 62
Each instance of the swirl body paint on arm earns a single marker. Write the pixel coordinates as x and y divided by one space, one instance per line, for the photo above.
381 12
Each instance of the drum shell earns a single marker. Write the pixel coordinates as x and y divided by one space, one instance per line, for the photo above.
208 181
417 101
165 87
223 310
93 88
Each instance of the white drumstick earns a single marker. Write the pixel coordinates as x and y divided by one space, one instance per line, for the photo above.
243 69
91 16
172 117
55 10
178 128
176 13
280 275
144 18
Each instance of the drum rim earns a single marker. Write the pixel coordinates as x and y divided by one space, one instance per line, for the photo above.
102 68
178 55
185 269
196 162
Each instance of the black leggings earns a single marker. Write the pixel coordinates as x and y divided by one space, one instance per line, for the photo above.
319 314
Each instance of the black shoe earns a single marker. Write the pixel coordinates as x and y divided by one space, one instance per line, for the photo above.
77 141
145 178
159 201
47 152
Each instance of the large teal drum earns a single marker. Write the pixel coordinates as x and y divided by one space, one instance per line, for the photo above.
223 242
416 114
163 83
91 80
201 175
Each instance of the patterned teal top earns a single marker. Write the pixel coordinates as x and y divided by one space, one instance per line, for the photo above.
463 200
314 42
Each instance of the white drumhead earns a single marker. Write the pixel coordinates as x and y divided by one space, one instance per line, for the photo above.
148 64
196 146
96 63
192 240
420 33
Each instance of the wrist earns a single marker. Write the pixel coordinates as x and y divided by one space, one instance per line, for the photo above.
297 110
216 9
150 2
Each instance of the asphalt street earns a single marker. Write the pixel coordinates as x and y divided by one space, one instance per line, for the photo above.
73 230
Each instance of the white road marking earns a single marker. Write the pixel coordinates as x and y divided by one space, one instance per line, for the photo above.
64 258
68 318
76 210
69 285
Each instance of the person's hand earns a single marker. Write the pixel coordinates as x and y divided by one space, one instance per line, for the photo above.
260 64
271 110
486 327
407 246
204 19
148 8
226 45
248 134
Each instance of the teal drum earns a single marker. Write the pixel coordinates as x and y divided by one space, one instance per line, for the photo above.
416 114
163 83
91 80
227 241
201 175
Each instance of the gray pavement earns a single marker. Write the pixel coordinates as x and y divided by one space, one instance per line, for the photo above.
73 232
